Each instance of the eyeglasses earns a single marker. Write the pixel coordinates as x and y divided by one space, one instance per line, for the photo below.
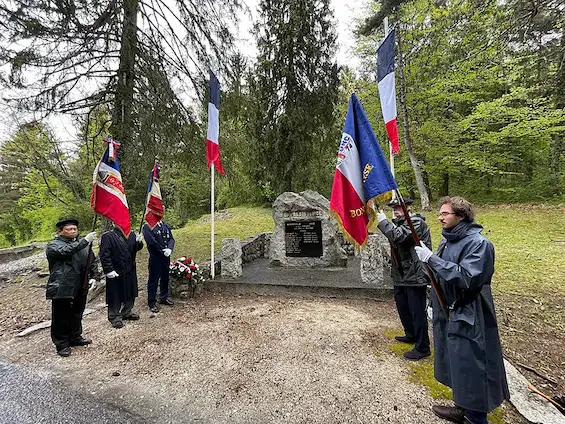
444 214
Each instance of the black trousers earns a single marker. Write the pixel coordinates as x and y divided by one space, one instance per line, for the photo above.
411 305
66 321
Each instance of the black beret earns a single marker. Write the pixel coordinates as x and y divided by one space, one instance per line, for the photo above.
395 202
64 222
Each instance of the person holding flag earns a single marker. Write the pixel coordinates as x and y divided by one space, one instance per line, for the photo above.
160 243
119 247
409 276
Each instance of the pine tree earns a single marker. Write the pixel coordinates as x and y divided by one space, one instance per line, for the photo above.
294 87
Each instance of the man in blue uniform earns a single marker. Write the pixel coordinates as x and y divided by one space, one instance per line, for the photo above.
468 354
160 244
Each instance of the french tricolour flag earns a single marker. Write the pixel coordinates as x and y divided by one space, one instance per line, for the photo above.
361 174
387 90
108 196
212 144
154 207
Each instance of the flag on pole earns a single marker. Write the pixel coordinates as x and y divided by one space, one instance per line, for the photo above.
154 207
212 142
361 175
108 196
387 89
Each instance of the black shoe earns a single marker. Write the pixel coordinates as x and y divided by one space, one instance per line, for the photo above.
416 355
117 324
167 301
154 308
404 339
66 351
454 414
132 317
81 342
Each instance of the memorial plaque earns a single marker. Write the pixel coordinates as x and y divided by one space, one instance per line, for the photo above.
303 239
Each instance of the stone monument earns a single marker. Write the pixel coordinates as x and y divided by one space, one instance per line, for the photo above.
305 235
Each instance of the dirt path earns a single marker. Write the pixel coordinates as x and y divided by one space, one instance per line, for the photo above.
243 359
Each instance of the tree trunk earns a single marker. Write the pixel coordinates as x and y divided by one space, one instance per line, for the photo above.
424 198
445 184
122 120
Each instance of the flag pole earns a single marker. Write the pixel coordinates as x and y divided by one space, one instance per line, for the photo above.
212 264
391 155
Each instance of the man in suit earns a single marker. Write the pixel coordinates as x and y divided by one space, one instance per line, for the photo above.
160 244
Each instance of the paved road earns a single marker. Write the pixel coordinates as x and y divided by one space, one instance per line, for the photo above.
28 397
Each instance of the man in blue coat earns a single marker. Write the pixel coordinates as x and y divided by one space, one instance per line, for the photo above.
160 244
468 354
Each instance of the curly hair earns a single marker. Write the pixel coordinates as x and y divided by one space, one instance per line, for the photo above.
460 206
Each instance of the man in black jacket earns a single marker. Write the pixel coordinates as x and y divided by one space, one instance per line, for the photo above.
409 276
160 244
72 268
117 256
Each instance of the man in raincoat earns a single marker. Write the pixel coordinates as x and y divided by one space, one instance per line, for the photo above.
468 354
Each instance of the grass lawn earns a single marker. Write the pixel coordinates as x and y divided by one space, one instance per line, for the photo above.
194 239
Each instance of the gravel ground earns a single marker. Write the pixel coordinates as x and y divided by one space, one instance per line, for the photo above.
244 359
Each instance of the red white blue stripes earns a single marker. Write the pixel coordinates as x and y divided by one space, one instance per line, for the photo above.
387 89
212 140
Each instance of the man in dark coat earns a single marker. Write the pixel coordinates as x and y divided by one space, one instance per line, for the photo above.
160 244
468 354
117 256
409 276
72 268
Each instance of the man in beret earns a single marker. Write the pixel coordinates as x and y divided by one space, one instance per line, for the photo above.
72 268
409 276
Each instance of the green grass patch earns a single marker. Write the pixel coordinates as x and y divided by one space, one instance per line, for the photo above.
422 372
194 239
528 262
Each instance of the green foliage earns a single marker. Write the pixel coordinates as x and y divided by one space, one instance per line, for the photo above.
294 87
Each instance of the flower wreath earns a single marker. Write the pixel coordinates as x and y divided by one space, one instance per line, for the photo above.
185 268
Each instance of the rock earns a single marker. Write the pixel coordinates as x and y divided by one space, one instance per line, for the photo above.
533 407
375 268
231 258
116 374
303 208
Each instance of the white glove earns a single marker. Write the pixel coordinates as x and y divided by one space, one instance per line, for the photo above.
423 252
167 252
112 274
381 216
91 283
90 237
430 313
138 237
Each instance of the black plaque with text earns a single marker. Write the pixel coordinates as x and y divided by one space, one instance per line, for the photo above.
303 239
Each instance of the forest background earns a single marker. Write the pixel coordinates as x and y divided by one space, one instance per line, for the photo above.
482 86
